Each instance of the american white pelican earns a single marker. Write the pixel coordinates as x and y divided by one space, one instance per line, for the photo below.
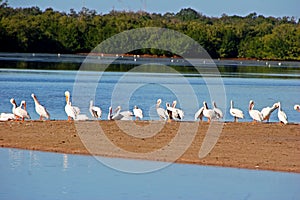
199 114
95 111
208 113
137 112
160 111
267 111
171 112
235 112
71 111
281 115
297 107
7 116
118 115
219 113
178 113
41 110
19 112
254 114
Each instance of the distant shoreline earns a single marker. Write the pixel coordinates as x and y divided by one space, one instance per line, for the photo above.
266 146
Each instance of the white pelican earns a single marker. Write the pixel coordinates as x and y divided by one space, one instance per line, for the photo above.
208 113
267 111
137 112
71 111
41 110
254 114
124 115
7 116
297 107
171 112
235 112
281 115
178 114
95 111
19 112
199 114
160 111
219 113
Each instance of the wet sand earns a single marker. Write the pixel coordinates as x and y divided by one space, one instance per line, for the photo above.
267 146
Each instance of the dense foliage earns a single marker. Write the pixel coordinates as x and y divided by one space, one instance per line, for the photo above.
252 36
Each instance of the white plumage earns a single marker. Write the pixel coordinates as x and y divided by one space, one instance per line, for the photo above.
160 111
254 114
281 115
297 107
137 112
267 111
208 113
118 115
71 111
41 110
199 114
177 113
19 112
219 113
95 111
235 112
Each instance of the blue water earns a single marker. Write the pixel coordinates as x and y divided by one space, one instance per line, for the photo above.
39 175
189 90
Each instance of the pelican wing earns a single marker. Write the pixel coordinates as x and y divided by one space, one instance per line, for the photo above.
199 114
236 113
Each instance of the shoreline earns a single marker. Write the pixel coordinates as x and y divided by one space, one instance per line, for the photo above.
263 146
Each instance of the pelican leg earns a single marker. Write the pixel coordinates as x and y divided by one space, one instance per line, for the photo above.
69 118
41 118
23 119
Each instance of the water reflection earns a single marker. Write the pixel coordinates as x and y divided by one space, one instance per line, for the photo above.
62 176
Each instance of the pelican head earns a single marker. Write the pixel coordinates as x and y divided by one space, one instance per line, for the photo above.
158 102
118 109
174 104
67 94
205 105
251 104
33 96
12 101
296 107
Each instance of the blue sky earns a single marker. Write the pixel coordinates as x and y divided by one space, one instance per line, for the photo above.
276 8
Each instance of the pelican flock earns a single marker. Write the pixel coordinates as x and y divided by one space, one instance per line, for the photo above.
169 113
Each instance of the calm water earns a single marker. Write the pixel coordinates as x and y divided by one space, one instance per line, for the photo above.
145 88
39 175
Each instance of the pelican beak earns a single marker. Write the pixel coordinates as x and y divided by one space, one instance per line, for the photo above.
67 99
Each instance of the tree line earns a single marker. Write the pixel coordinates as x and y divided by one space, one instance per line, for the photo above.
50 31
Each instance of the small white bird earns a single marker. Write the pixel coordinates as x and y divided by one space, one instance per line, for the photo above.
208 113
160 111
297 107
235 112
71 111
199 114
95 111
254 114
19 112
281 115
138 113
41 110
219 113
267 111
